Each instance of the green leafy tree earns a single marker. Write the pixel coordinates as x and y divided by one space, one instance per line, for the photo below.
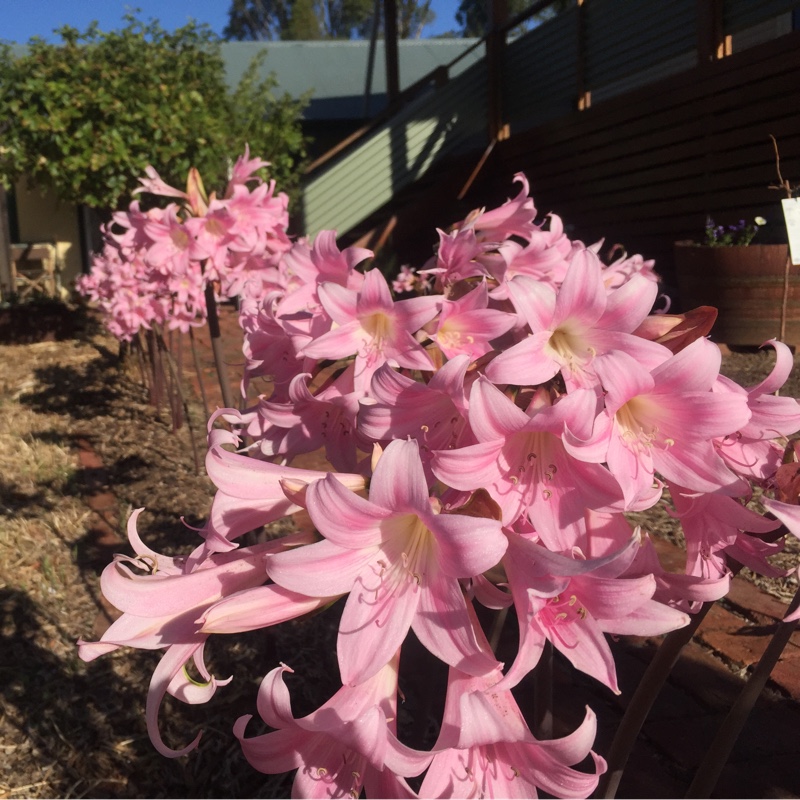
413 16
86 116
473 15
266 20
260 20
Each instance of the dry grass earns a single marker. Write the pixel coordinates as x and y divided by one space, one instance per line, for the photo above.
70 729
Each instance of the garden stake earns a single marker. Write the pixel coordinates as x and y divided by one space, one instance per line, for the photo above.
708 772
216 346
785 186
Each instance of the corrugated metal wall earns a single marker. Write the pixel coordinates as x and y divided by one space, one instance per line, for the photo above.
441 122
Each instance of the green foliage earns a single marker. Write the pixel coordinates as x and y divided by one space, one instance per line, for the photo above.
473 15
261 20
86 117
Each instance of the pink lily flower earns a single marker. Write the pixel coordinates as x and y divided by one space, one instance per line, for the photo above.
213 236
684 592
752 451
154 184
485 749
307 268
161 610
467 325
435 414
271 347
347 744
521 459
373 327
574 602
714 526
513 218
171 243
259 214
308 422
400 561
664 420
244 169
570 328
545 258
250 492
457 258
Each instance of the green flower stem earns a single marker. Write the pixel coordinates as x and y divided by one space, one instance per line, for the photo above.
216 347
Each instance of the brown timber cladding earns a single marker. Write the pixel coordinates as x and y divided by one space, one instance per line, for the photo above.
646 167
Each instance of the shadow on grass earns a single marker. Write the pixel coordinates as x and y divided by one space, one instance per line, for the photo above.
80 728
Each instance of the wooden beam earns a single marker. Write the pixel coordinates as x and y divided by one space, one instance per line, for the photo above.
495 48
392 54
710 37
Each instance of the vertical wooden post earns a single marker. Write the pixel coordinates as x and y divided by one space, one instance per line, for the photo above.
584 96
495 45
6 282
373 39
392 54
711 41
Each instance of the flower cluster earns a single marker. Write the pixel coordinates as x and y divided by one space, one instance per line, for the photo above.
156 264
740 234
486 442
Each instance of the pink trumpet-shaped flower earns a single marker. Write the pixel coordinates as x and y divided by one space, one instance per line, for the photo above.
752 451
400 561
161 609
346 744
435 414
249 491
485 749
715 525
573 326
308 422
467 325
521 459
244 169
307 268
514 217
574 602
373 327
664 420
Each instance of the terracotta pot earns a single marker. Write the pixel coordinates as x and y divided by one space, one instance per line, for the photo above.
745 284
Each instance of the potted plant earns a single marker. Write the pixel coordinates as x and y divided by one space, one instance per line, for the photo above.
744 281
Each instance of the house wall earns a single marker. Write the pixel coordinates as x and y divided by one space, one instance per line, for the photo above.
43 218
646 168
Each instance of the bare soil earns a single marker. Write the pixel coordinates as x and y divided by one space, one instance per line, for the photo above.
70 729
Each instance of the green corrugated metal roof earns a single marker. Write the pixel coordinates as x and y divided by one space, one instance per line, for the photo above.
335 71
